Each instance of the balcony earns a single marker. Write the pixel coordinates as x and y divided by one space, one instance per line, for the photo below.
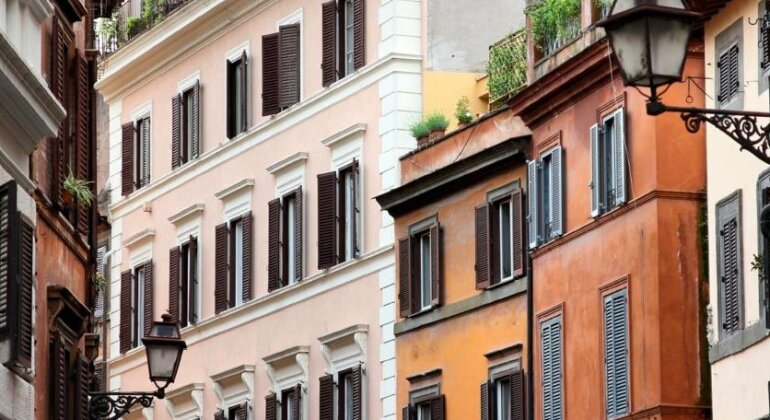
507 67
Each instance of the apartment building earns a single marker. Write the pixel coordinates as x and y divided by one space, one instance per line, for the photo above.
736 47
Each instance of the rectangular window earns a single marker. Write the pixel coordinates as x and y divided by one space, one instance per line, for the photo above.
500 250
281 63
291 404
505 235
142 153
423 411
236 277
616 368
763 199
544 195
419 268
188 301
729 264
285 260
136 310
338 214
137 306
187 125
608 163
348 26
343 40
503 396
424 270
290 226
346 396
232 272
551 368
237 96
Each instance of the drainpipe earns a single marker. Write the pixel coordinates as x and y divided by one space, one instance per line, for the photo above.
530 344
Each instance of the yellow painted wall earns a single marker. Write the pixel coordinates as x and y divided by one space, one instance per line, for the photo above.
442 90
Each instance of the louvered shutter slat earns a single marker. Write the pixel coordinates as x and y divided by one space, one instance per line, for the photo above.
248 255
405 413
271 409
404 277
219 415
435 264
734 70
327 220
326 397
25 305
220 268
145 137
176 131
329 42
518 395
765 43
8 257
242 412
270 75
517 230
357 382
289 59
127 157
437 407
556 193
84 381
298 236
274 245
619 158
173 282
482 248
485 400
595 174
59 355
359 33
532 197
297 401
148 297
125 311
196 121
556 369
244 92
82 161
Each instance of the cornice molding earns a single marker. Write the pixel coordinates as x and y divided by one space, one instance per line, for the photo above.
286 163
142 236
240 186
345 134
191 211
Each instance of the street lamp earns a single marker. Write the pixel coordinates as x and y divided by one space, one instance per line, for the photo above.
650 39
164 348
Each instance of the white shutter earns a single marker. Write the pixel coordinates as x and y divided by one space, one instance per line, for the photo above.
619 156
556 193
532 222
595 174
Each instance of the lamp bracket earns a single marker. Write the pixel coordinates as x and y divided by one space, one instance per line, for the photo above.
114 405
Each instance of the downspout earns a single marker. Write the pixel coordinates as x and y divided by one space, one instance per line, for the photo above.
530 339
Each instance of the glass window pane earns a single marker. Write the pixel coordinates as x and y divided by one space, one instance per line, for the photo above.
349 206
546 194
348 397
349 37
425 273
423 411
502 399
505 239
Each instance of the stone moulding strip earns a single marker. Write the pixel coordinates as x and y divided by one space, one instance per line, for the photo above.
286 163
191 211
242 185
345 134
133 240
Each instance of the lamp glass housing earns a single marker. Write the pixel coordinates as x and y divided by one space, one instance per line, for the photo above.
164 348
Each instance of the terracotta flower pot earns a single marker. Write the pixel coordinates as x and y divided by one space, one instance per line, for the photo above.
421 140
67 199
436 134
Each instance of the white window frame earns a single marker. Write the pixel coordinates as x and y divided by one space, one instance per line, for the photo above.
232 56
139 113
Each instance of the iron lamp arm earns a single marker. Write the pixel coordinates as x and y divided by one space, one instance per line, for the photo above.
114 405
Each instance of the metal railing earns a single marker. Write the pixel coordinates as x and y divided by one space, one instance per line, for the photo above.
507 66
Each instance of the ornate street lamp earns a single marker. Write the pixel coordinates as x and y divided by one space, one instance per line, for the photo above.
650 38
164 348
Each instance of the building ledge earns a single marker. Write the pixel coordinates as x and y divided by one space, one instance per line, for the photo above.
738 342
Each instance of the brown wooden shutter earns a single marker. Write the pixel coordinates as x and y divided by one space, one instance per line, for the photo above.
194 284
297 401
58 357
242 412
289 59
244 92
25 309
230 117
435 263
327 220
482 247
517 226
82 160
176 131
100 376
125 311
84 384
485 401
248 255
271 407
219 415
274 245
221 255
329 42
147 297
326 397
404 276
196 121
270 75
127 155
298 241
405 413
173 282
357 382
357 207
58 80
359 33
58 59
437 408
518 395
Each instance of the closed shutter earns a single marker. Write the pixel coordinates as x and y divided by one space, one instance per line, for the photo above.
619 155
357 382
485 402
730 262
274 245
405 413
83 147
176 131
616 353
326 397
147 297
145 139
359 33
329 42
437 408
297 401
221 298
196 121
298 241
532 197
556 193
518 395
404 277
219 415
271 407
482 248
550 336
24 292
435 264
289 74
242 412
8 256
173 282
125 311
596 186
127 155
58 357
270 75
84 382
517 229
327 220
244 92
248 255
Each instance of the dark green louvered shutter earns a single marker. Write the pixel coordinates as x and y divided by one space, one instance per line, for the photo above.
550 336
729 261
616 353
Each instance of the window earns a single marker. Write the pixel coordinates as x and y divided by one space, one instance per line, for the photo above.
346 396
237 96
420 268
185 136
281 63
136 155
291 403
135 305
764 42
551 368
502 397
69 375
341 400
728 75
425 407
188 285
343 40
499 237
233 262
616 367
235 412
729 264
763 199
338 214
285 240
608 163
544 197
729 66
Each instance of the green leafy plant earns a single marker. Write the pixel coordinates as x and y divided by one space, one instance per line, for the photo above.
80 190
107 28
507 66
132 26
437 121
604 7
463 111
758 265
100 282
419 128
554 22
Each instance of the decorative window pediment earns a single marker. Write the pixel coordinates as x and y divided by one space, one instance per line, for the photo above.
345 348
185 403
234 386
288 368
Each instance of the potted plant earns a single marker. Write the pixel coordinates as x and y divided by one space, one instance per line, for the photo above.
437 124
420 131
463 111
76 191
132 27
100 282
554 22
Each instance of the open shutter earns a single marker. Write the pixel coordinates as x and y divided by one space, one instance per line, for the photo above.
556 193
196 121
734 70
194 284
326 397
357 382
173 282
59 371
437 405
176 131
327 220
298 241
9 221
127 156
532 197
82 161
616 353
357 208
404 277
271 407
242 412
58 59
248 253
518 395
100 376
230 92
517 229
84 382
148 311
482 247
359 33
270 75
125 311
619 158
25 309
289 58
329 42
596 187
244 92
220 268
729 266
145 138
297 401
435 264
405 413
274 245
764 35
485 401
219 415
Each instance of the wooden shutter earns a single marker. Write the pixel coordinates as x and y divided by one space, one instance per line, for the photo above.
619 155
297 401
242 412
84 382
196 121
248 255
357 208
518 395
58 59
230 117
298 241
326 397
125 311
359 33
127 155
404 276
270 75
405 413
144 136
271 407
483 279
147 297
596 186
329 42
616 353
435 264
517 227
219 415
9 261
274 245
221 301
485 401
83 147
437 408
176 131
550 336
58 357
729 265
25 306
174 256
764 34
327 220
556 192
532 197
100 376
357 382
193 292
244 92
289 61
734 71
